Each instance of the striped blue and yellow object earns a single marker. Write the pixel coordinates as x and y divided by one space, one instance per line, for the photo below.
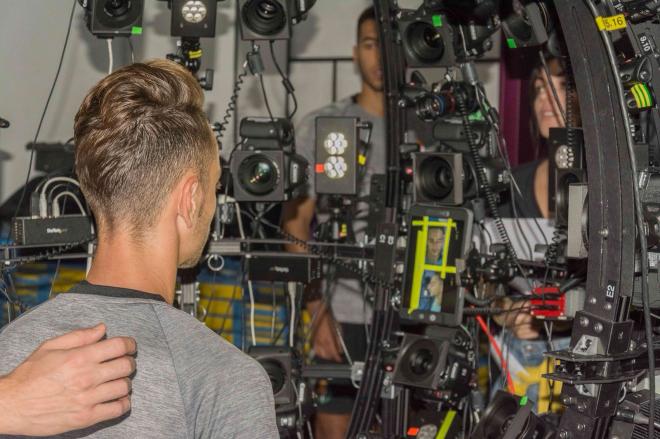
221 296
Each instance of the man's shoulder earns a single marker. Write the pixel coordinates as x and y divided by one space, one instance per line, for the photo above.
187 336
216 377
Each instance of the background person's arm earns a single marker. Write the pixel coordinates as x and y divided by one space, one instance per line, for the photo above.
521 323
297 219
70 382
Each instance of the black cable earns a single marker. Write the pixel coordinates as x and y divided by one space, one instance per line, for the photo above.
48 253
231 106
473 300
489 311
43 113
552 253
551 383
4 289
516 218
553 88
263 91
285 81
368 277
482 181
490 237
59 260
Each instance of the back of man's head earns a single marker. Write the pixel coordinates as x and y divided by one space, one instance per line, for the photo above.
136 133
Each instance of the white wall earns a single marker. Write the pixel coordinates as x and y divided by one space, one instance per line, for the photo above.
31 37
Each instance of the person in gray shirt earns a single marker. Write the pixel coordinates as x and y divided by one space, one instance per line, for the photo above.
343 299
148 166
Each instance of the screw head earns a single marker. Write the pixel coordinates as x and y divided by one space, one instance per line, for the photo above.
584 322
598 327
604 233
592 300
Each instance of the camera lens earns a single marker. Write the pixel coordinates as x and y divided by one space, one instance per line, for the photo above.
265 17
436 178
430 107
276 373
258 174
266 10
117 8
424 42
421 362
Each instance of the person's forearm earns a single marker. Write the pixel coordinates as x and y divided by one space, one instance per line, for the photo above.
8 421
503 303
297 220
314 306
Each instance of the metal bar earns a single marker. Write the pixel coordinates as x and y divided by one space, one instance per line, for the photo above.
334 81
611 226
320 59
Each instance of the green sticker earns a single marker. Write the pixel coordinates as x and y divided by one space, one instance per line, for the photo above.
437 20
136 30
523 400
511 43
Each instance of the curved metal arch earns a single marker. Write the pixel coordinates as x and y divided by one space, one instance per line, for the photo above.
611 204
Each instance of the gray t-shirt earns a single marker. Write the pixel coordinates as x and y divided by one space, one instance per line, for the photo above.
189 382
346 295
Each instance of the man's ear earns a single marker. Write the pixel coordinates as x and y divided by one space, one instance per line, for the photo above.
188 203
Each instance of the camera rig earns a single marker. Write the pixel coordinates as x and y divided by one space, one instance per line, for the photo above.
611 51
607 41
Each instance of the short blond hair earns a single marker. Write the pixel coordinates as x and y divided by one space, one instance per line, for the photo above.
137 131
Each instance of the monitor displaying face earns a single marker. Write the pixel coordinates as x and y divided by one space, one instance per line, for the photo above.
431 286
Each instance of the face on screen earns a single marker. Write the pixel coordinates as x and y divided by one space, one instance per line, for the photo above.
435 246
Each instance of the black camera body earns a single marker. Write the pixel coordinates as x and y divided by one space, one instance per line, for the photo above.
283 368
567 167
266 167
440 361
265 19
438 178
114 18
428 40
